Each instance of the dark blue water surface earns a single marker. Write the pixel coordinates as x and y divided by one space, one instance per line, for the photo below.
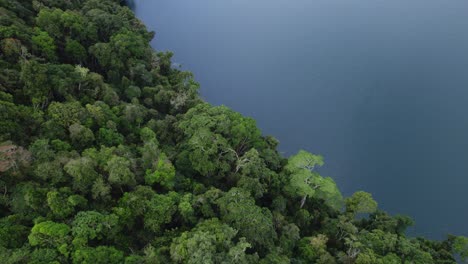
379 87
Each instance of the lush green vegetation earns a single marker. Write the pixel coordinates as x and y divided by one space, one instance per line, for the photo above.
108 155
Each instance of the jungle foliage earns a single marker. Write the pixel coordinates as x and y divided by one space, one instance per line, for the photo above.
108 155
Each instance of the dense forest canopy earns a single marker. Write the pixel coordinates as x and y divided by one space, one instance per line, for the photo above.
108 155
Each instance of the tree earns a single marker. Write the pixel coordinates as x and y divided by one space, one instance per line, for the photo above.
255 176
100 156
64 81
66 114
82 73
314 249
46 255
215 137
238 209
61 24
241 132
12 49
383 221
28 200
185 208
44 44
34 75
305 182
460 247
132 116
379 241
119 172
101 190
63 203
101 114
49 20
80 135
49 234
75 51
209 153
115 54
209 242
23 121
107 23
12 233
83 173
159 211
98 255
132 92
109 137
163 174
150 154
360 202
136 201
290 235
92 225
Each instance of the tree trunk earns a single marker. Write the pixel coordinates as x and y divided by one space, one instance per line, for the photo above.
303 200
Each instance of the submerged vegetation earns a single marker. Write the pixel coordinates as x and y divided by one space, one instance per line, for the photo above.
108 155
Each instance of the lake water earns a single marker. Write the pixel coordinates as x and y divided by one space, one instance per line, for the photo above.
378 87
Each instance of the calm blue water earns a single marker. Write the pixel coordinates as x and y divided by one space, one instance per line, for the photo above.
379 87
